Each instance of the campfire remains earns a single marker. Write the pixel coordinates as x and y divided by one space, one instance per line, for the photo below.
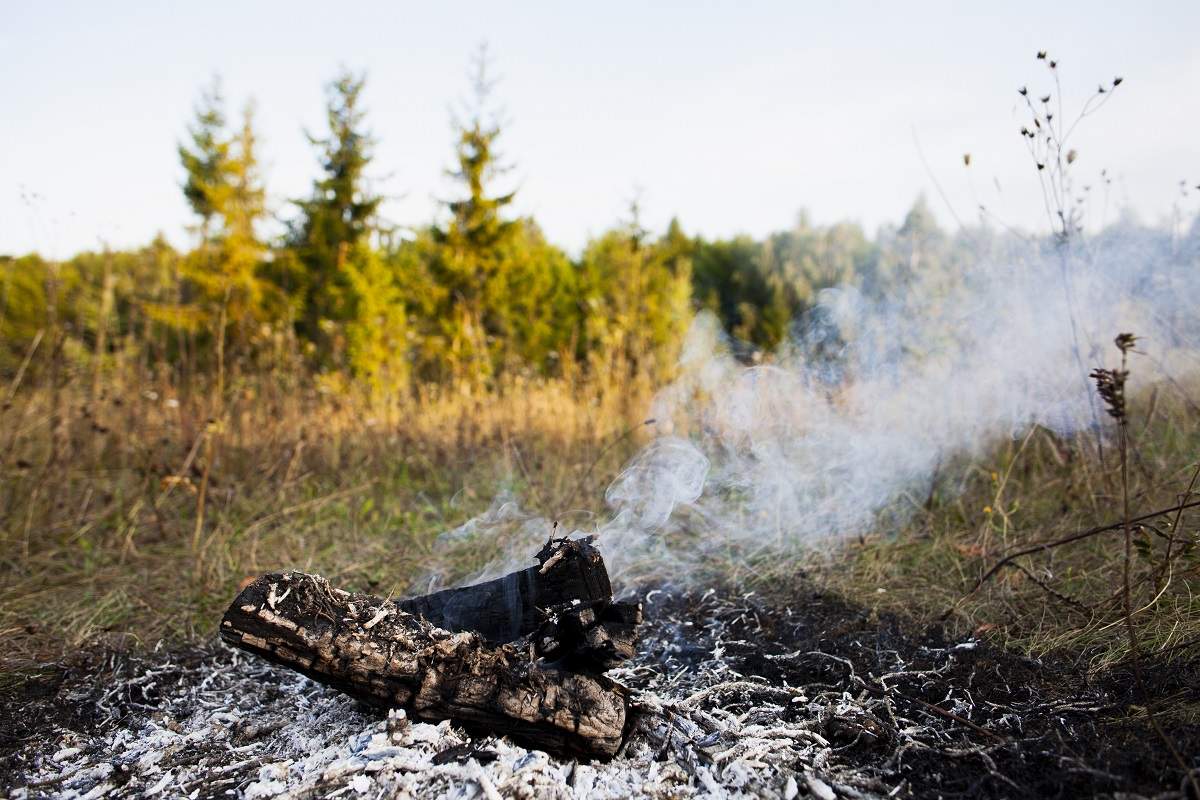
521 655
799 695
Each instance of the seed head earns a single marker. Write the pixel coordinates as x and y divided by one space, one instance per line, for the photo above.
1125 342
1110 385
1117 81
1042 55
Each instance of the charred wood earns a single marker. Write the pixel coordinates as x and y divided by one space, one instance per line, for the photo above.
543 687
509 607
372 650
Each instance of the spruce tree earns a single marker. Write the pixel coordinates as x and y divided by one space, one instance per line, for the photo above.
338 218
205 159
240 249
471 246
223 285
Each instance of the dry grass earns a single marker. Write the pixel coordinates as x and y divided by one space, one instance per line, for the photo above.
135 512
104 537
1067 599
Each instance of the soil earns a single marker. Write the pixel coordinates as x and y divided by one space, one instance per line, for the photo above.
801 695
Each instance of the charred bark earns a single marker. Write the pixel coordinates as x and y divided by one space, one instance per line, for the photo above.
542 688
507 608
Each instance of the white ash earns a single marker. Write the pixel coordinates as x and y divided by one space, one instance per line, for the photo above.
221 723
233 726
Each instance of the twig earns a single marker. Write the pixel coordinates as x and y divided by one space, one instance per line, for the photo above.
591 467
1175 524
955 717
1050 590
1074 537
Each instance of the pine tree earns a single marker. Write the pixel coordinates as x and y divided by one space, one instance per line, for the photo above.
224 286
205 159
339 216
472 244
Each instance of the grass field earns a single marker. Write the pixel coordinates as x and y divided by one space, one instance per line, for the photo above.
131 515
135 513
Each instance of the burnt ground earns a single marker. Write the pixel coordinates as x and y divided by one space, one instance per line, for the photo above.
804 695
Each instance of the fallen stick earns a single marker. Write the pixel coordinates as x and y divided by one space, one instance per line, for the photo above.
1074 537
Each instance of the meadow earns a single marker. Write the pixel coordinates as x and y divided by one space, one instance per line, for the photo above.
133 511
929 426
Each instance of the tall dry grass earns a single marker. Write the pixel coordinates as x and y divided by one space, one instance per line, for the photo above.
133 503
1030 494
131 507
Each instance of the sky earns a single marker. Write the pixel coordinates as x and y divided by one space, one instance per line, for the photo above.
733 117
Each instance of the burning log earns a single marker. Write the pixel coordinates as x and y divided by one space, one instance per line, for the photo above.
542 687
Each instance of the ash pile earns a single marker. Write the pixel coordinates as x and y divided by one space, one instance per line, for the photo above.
724 695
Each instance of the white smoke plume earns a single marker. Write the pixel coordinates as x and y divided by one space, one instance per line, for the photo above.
851 422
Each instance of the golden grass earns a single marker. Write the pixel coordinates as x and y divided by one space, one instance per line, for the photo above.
136 511
104 536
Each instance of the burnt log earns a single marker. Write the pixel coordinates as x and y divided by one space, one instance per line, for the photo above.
588 637
512 606
543 688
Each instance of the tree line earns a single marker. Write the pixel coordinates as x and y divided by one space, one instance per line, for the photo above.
472 296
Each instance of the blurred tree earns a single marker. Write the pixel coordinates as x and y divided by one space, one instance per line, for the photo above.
338 217
533 306
469 261
377 334
732 279
915 250
224 294
815 258
635 299
205 159
505 296
23 308
764 291
230 283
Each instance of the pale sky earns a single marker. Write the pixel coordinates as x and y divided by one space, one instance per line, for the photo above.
731 116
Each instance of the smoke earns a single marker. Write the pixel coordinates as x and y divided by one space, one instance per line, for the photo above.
850 424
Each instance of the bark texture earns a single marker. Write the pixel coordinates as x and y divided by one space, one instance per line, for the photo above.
380 652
